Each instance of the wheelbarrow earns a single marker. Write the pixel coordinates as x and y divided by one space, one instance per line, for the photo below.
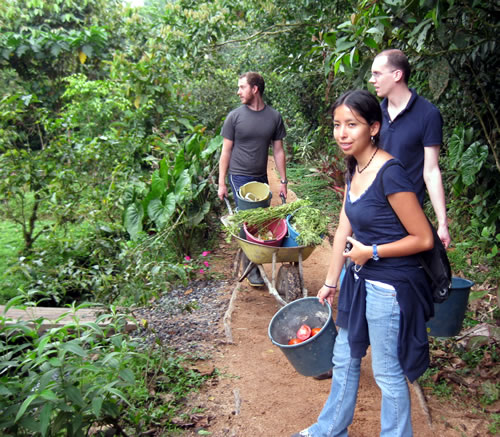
288 284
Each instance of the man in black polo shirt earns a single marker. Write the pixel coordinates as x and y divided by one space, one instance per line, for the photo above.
248 132
411 130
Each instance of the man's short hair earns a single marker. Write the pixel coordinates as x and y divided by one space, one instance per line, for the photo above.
398 60
254 79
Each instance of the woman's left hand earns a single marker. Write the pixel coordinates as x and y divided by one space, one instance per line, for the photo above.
359 253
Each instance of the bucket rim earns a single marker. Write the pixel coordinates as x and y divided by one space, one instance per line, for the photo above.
238 192
291 346
467 283
278 222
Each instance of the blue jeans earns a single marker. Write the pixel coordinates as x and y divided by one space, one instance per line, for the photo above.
382 313
236 181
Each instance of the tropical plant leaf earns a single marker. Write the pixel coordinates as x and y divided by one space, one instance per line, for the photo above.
472 161
45 418
160 212
182 184
158 185
134 215
26 403
96 404
214 144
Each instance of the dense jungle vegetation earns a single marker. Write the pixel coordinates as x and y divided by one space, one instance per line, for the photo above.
109 143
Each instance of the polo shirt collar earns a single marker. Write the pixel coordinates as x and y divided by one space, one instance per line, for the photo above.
412 100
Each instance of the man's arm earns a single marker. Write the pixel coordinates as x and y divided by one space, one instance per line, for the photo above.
225 156
280 160
434 183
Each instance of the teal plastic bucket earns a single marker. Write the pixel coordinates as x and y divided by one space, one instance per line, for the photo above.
291 238
449 315
313 356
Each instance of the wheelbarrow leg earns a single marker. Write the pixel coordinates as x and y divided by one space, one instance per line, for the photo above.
273 274
272 290
249 268
301 275
237 262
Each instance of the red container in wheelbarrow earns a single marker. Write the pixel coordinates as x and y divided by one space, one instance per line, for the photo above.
275 228
313 356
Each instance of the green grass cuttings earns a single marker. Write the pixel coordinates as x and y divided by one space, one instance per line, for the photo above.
310 185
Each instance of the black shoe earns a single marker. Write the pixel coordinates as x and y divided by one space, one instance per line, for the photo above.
326 375
254 278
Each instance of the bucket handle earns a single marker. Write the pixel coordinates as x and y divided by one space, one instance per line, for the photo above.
228 205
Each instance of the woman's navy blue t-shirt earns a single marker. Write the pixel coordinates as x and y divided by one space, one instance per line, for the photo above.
373 220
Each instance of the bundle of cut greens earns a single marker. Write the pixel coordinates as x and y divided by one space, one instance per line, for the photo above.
312 223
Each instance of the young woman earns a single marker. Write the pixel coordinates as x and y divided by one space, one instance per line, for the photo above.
385 299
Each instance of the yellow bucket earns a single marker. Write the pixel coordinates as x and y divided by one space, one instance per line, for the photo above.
254 191
253 195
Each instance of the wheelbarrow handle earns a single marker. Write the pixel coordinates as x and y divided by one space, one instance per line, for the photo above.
228 205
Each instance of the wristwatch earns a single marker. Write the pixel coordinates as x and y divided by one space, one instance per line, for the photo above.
284 181
375 256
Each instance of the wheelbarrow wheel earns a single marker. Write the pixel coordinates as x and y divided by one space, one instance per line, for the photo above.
288 282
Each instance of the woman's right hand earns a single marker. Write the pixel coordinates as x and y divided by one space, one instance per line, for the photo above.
327 294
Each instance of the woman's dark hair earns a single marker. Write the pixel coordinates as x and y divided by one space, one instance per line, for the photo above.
367 106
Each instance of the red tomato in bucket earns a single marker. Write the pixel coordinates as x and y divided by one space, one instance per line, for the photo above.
314 331
304 332
294 341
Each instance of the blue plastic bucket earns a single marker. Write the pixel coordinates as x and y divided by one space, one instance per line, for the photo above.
291 238
313 356
449 315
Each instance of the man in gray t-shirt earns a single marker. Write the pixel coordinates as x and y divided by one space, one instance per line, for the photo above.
248 132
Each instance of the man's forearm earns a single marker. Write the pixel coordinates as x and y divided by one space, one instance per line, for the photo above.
435 188
280 160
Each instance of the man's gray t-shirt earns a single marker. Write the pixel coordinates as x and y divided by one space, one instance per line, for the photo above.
252 132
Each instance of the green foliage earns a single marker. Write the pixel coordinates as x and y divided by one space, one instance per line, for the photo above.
10 245
494 427
64 380
315 185
178 193
261 216
311 225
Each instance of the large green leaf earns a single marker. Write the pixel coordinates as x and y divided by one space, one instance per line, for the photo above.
134 214
180 163
158 185
196 215
456 147
164 170
161 212
472 161
182 185
214 144
193 145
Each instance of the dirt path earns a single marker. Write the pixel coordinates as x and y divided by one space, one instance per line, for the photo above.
260 394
